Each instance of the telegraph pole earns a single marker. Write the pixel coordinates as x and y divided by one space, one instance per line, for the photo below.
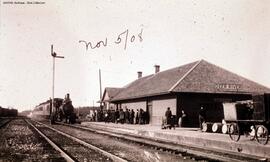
54 55
100 89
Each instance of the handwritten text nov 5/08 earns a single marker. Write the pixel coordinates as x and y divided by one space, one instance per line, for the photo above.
124 38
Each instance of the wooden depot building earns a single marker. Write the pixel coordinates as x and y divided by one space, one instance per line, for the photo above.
187 87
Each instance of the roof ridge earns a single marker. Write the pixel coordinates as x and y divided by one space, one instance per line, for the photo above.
187 73
144 77
241 76
113 87
106 90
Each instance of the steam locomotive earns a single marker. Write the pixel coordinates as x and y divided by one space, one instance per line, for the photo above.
63 110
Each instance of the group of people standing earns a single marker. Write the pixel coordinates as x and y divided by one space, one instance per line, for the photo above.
128 116
182 121
171 121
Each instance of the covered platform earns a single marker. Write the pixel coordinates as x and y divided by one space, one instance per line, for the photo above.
188 136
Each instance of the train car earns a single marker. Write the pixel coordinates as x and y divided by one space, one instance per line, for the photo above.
12 112
5 112
44 110
41 111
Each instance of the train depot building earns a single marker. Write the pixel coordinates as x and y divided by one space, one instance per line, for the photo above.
188 87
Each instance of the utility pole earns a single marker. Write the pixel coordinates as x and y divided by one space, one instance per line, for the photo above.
92 108
100 89
54 55
79 112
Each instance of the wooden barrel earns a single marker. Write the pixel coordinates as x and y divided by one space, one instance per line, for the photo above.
216 127
207 127
225 128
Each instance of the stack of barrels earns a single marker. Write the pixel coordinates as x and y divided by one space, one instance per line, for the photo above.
215 127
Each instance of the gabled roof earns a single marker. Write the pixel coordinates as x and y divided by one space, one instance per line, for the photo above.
195 77
209 78
111 92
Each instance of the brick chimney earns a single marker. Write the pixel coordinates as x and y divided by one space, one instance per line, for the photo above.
139 74
157 67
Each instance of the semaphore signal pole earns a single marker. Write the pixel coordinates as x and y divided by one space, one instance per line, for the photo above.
54 55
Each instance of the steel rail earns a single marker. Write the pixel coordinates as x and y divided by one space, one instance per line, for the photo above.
6 121
112 156
62 152
186 150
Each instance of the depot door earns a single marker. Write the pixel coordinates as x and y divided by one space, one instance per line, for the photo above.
149 110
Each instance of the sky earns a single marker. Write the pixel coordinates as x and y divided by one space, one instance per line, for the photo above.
135 35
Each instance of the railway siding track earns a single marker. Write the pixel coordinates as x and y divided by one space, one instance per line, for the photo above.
74 148
4 121
20 142
196 153
125 149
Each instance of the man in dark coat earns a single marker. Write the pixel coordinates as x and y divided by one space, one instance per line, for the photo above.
127 116
141 116
116 115
121 116
137 117
132 114
202 116
168 115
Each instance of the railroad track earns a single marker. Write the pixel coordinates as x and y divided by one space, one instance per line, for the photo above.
71 147
4 121
194 153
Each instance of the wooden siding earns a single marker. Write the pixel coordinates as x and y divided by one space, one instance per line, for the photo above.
134 105
159 109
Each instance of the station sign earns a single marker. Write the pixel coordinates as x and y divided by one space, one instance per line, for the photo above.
228 87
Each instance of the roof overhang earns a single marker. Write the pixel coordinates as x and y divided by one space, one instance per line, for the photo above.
142 96
182 92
